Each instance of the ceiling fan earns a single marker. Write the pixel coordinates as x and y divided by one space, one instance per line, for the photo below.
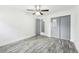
37 10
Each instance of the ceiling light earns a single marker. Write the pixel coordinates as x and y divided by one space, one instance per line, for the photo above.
38 13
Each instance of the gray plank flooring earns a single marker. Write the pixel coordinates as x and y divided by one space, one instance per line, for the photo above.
40 44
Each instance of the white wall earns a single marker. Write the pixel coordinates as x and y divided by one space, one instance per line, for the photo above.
76 40
14 25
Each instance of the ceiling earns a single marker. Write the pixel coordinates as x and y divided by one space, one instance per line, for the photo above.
55 8
52 8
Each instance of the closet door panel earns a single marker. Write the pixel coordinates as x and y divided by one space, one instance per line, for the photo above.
42 26
65 27
37 26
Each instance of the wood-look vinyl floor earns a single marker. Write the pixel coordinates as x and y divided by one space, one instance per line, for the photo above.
40 44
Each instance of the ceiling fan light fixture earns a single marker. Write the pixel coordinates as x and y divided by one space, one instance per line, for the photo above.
38 13
38 10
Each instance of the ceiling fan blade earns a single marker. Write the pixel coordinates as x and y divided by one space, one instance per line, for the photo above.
45 10
27 12
41 13
29 9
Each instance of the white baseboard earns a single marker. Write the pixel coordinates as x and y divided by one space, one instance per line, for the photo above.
13 41
44 34
76 45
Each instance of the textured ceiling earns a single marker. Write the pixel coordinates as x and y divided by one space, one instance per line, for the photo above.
52 8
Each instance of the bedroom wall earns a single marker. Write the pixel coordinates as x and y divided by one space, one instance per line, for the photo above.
76 40
15 25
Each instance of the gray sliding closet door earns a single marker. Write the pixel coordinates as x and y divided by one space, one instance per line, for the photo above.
61 27
65 27
37 26
55 27
42 26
